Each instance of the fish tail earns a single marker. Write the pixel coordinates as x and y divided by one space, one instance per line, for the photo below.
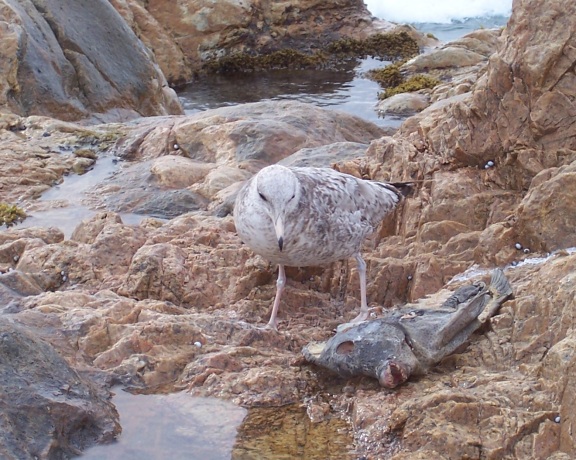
499 284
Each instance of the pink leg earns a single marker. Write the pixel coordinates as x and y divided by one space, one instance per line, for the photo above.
280 283
363 316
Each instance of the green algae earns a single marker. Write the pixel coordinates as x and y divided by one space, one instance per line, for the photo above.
390 78
10 214
414 83
99 140
387 77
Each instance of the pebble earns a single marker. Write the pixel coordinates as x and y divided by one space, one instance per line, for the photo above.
557 419
198 344
176 147
526 251
409 277
16 258
348 389
518 246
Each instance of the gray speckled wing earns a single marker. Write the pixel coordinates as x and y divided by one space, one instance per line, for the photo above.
333 216
336 212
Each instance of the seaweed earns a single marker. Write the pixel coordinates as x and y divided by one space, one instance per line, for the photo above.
10 214
281 59
385 46
414 83
390 78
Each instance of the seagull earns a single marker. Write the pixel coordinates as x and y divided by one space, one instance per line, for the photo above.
305 216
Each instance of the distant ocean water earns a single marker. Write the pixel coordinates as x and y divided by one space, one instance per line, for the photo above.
446 19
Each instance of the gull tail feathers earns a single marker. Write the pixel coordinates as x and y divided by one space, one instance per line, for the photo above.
401 189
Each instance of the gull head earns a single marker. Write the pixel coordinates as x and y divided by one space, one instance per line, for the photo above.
278 192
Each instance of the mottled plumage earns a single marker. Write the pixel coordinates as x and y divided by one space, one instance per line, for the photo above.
309 217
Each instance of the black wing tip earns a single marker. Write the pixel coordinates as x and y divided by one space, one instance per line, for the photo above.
404 188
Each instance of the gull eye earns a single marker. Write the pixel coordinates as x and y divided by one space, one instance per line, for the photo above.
262 196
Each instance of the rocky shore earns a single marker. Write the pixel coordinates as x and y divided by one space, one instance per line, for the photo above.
173 303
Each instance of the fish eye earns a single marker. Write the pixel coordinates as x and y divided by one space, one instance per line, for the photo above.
262 196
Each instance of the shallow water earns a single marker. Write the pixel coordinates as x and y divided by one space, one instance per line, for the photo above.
344 89
179 426
476 271
63 205
287 433
175 426
347 90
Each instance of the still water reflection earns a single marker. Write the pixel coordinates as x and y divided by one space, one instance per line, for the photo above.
63 206
175 426
179 426
344 89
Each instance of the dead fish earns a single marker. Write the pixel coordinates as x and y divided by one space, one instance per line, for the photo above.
409 341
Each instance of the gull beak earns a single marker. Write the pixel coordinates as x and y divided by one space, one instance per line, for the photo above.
279 229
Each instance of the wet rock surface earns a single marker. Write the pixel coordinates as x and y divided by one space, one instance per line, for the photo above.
48 409
176 304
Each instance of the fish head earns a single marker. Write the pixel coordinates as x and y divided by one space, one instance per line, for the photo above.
393 372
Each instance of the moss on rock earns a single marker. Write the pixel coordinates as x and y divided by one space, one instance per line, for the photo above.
11 214
414 83
391 79
388 76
